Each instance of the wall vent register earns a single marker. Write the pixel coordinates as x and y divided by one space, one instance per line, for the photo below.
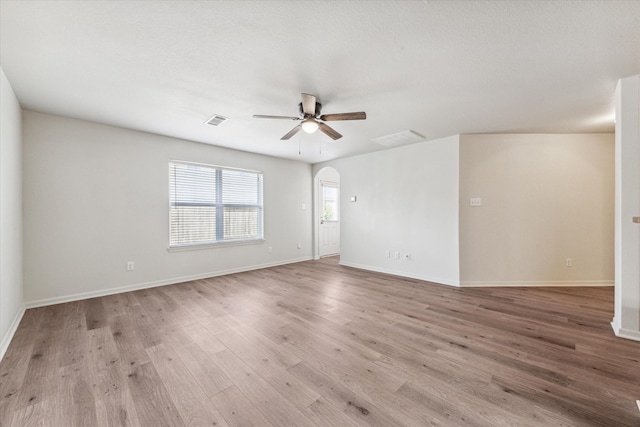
216 120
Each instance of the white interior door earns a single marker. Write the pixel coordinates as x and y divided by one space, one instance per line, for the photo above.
329 218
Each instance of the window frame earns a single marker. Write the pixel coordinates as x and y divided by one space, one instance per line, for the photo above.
219 206
335 186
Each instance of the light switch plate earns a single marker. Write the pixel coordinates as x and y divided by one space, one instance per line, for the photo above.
475 201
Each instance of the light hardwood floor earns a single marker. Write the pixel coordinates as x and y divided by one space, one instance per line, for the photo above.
315 343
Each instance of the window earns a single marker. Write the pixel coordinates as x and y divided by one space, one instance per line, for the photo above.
209 204
330 202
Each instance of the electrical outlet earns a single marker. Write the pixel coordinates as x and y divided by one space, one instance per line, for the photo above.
475 201
568 262
130 266
396 255
387 254
270 249
299 245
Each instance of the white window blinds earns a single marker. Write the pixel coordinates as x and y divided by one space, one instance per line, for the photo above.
209 204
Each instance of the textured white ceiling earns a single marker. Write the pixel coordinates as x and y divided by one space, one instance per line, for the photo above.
438 68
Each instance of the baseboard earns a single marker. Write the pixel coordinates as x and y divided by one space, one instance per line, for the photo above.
478 284
521 284
625 333
616 324
401 274
6 339
147 285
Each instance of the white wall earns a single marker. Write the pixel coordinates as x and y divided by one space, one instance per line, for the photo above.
407 201
11 306
545 198
626 322
96 197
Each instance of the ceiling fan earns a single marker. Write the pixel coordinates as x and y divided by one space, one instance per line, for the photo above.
312 120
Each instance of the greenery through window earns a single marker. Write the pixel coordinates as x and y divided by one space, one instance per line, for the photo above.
329 203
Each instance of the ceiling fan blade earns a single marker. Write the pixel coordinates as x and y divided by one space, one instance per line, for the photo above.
291 132
261 116
360 115
309 104
330 131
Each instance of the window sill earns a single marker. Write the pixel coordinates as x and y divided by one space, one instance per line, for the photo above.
215 245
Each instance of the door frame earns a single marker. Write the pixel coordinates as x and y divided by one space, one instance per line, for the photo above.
331 184
327 174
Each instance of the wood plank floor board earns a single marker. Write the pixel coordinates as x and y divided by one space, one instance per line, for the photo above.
257 316
188 299
574 404
175 335
12 375
626 353
42 413
75 398
156 312
532 346
95 313
114 305
104 360
464 399
237 410
216 325
117 410
203 337
280 379
543 369
189 399
356 407
331 332
209 299
370 386
145 328
75 339
447 386
574 373
316 343
355 367
42 371
126 337
429 360
274 352
326 414
208 375
275 407
151 398
460 411
29 326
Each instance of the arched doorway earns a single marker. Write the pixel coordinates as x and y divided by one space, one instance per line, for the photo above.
326 189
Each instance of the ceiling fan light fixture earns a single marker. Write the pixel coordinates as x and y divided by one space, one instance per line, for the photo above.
309 125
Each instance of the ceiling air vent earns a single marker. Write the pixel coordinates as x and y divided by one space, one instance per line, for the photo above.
217 120
398 139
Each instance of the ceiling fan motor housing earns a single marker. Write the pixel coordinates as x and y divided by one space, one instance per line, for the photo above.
318 109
